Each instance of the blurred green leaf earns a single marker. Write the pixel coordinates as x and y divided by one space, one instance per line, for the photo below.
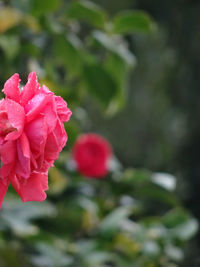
41 7
13 255
116 45
10 45
175 217
58 181
151 248
118 63
174 253
85 247
126 243
99 82
90 215
186 230
118 69
32 23
50 256
157 193
18 216
165 180
137 176
114 220
97 258
68 50
87 11
133 21
9 17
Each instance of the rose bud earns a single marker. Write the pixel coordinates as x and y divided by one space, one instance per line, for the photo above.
91 154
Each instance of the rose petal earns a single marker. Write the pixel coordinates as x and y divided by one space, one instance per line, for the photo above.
60 134
3 190
30 89
55 142
8 152
63 111
6 170
45 90
35 106
16 118
23 152
12 88
50 115
51 147
36 132
32 189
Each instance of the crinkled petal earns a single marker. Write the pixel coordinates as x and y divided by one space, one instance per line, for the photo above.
60 134
12 87
8 152
16 118
34 107
6 170
30 89
45 90
46 164
36 132
23 152
8 158
63 111
5 125
50 115
32 189
55 142
52 147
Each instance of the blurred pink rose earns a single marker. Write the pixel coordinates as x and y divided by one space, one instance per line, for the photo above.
91 154
32 135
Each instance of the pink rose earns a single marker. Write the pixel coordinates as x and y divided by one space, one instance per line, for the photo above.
32 135
91 154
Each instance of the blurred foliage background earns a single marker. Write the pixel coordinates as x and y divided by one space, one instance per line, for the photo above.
129 70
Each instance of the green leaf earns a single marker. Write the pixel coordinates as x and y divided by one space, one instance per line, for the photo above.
115 219
87 11
174 253
164 180
86 246
151 248
10 45
68 51
90 215
126 243
186 230
136 176
99 82
118 68
40 7
18 216
115 45
133 21
9 17
51 256
117 63
97 258
32 23
58 181
175 218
